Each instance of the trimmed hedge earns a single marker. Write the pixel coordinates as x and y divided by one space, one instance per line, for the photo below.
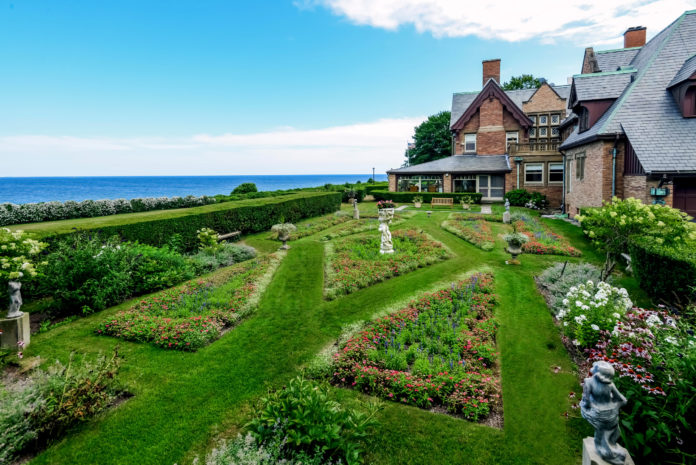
247 216
664 272
407 197
377 186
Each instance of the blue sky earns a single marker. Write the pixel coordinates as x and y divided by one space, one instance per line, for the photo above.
229 87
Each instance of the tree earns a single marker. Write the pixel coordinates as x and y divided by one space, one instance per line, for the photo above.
245 188
525 81
433 140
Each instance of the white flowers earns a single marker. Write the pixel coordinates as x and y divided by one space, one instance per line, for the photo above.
672 340
595 327
653 320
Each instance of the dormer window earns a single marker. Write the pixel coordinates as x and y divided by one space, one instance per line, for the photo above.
584 119
689 103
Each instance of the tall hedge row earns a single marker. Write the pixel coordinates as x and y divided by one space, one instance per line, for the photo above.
377 186
664 272
404 197
248 217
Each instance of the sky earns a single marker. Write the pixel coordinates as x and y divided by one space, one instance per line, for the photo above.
91 88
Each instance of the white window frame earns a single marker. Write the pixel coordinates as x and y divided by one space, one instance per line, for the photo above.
469 136
580 166
526 168
544 123
557 117
532 132
546 131
548 172
512 137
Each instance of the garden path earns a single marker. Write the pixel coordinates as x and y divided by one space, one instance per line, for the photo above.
183 399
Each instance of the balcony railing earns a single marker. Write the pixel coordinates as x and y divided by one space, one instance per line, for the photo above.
533 147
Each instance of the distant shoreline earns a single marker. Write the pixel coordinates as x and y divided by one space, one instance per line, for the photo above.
44 189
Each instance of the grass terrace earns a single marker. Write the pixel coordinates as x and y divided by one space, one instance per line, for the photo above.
185 401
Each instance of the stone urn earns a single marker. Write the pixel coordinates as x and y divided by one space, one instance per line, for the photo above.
515 241
417 204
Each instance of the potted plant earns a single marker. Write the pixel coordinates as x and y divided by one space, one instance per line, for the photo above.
417 201
515 240
465 205
282 232
385 204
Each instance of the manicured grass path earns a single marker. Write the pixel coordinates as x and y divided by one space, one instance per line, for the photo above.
182 400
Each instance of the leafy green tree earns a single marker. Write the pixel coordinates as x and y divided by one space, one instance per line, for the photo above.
245 188
433 140
525 81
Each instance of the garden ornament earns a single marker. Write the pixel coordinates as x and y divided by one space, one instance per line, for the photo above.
356 212
507 205
385 216
600 406
15 299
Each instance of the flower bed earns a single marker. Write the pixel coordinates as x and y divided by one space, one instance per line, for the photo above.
358 226
437 352
475 216
653 353
355 262
476 232
193 315
316 225
542 241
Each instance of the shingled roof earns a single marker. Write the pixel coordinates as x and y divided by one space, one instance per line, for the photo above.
612 60
599 86
688 70
461 101
460 164
663 140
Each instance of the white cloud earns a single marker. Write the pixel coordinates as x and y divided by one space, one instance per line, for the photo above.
586 22
352 148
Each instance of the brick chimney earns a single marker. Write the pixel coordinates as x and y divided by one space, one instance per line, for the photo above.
491 70
634 37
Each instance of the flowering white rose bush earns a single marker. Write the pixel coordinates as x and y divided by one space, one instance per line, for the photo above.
16 255
51 211
590 308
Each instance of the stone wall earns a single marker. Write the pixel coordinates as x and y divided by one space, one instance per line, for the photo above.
392 182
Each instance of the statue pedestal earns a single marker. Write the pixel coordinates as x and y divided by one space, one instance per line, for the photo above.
14 330
590 456
506 217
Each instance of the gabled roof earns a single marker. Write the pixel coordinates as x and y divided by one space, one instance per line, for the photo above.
460 164
600 86
462 101
687 71
646 112
493 90
612 60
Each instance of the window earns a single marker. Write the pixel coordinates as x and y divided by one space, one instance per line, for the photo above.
512 137
491 186
584 119
543 120
555 119
469 143
580 166
533 172
555 132
555 172
420 184
534 120
465 184
431 183
689 104
532 132
543 132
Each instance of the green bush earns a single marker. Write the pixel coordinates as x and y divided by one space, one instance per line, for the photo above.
86 273
353 193
42 407
376 186
558 279
210 259
665 272
247 216
245 188
521 197
407 197
303 413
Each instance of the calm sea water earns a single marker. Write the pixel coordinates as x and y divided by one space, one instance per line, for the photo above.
26 190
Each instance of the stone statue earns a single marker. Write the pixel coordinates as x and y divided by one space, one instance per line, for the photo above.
385 217
507 205
356 212
15 299
506 214
600 406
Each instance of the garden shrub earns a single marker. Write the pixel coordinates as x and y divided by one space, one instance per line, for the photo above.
558 280
589 308
407 197
666 273
86 273
614 225
245 188
18 255
245 450
40 408
52 211
247 216
225 254
303 414
522 197
376 186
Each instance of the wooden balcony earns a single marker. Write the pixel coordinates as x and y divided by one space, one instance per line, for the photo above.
541 148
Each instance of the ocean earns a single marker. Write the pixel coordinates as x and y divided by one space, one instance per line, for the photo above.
28 190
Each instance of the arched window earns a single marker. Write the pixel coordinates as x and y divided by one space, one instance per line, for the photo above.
689 102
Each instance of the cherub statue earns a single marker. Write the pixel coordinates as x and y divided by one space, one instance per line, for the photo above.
600 406
507 205
387 246
15 299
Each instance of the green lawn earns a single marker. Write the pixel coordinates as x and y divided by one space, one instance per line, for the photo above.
184 401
